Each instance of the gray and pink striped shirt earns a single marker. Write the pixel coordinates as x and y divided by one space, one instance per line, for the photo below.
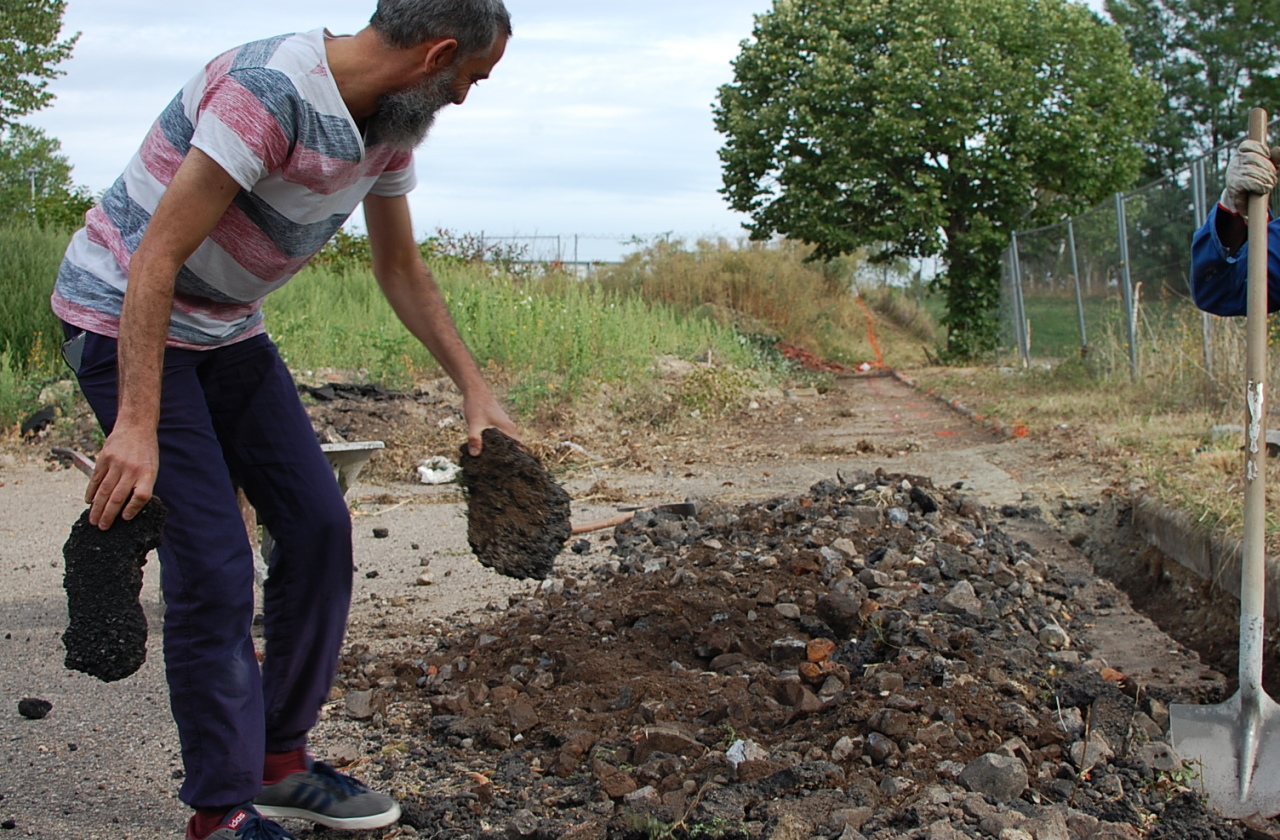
271 115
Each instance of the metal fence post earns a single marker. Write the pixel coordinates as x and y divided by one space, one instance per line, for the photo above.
1075 275
1199 205
1126 287
1019 311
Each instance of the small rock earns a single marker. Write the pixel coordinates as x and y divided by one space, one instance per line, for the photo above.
962 600
783 651
1000 777
1098 751
1160 757
791 611
892 786
521 716
1015 834
843 748
1051 826
424 579
523 824
33 708
643 797
581 547
1054 637
381 533
363 705
890 722
1070 721
880 748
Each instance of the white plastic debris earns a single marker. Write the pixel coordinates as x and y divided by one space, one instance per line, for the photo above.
437 470
747 750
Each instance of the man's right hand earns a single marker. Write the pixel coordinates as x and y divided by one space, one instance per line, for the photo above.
124 477
1252 171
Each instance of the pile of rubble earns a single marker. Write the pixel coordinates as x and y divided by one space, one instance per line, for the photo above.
874 659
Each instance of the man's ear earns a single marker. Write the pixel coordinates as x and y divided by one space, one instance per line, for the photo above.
440 55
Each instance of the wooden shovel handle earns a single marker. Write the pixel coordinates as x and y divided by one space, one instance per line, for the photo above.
601 524
1253 559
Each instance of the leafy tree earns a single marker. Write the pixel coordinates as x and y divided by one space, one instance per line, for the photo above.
35 180
936 126
29 53
1213 59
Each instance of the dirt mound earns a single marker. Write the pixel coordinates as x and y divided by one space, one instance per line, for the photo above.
874 659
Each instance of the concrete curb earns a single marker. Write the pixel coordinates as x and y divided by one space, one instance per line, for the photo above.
1214 558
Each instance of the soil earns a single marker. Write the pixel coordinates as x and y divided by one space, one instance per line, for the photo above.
884 620
517 515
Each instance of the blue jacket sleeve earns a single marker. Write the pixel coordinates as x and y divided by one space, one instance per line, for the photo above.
1219 280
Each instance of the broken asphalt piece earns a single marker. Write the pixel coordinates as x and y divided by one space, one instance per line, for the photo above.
106 633
33 708
517 515
346 391
38 422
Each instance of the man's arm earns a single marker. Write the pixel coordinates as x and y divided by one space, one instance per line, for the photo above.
413 294
1219 276
195 200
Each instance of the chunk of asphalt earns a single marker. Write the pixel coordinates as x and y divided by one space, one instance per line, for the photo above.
517 515
106 633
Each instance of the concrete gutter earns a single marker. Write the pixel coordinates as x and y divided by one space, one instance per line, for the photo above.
1212 557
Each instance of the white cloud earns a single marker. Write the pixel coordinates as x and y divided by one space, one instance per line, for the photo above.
597 122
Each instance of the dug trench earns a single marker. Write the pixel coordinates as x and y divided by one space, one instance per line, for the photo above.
984 649
886 620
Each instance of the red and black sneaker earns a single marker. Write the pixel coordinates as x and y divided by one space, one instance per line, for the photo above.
244 823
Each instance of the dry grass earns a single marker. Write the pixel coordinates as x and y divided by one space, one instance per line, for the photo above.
763 289
1156 429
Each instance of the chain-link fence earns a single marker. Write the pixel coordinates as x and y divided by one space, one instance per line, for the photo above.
1112 285
574 253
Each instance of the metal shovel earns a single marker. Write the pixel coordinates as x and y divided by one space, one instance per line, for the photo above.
1237 742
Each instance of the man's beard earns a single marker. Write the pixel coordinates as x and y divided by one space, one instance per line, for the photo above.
404 117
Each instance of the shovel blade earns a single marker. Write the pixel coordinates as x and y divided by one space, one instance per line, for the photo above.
1236 747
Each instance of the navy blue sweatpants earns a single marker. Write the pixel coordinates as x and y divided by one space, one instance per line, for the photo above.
231 416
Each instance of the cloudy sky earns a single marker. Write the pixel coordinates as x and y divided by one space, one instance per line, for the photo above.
597 122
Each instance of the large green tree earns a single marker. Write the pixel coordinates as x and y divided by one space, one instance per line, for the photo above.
1213 59
29 54
35 180
935 126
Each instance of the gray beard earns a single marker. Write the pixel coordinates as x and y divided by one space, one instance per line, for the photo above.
404 117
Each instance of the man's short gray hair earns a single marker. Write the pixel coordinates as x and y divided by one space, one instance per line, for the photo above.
475 24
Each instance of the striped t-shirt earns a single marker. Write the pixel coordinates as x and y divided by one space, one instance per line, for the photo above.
269 113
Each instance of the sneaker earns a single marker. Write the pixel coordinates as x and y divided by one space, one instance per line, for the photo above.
322 794
247 824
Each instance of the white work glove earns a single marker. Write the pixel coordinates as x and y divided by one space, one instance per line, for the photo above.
1252 171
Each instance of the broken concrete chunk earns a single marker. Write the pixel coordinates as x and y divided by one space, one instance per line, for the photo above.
1000 777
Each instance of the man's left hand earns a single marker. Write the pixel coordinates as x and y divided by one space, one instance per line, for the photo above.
483 412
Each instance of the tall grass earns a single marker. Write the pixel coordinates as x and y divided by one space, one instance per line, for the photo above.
553 339
29 332
760 288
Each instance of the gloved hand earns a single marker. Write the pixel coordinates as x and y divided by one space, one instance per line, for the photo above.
1252 170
